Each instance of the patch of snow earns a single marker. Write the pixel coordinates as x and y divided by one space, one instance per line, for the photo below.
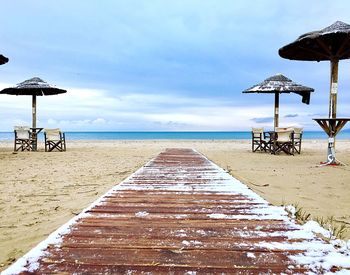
315 245
181 216
319 260
248 217
318 254
312 226
184 242
243 233
217 216
141 214
269 210
291 210
299 234
341 245
202 232
181 233
251 255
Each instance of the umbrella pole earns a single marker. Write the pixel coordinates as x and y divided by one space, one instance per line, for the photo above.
277 105
333 89
34 122
34 111
332 111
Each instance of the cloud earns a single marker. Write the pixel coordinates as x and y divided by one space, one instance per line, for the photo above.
135 108
262 119
99 121
291 115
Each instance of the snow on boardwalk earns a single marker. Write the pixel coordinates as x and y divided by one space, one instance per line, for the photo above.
182 214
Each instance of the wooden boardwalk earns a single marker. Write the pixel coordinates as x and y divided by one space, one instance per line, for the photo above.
179 214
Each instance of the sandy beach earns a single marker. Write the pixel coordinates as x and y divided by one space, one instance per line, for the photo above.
41 191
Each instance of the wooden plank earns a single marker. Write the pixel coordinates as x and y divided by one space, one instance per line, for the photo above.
156 268
167 257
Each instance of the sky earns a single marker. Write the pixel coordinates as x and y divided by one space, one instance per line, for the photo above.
161 65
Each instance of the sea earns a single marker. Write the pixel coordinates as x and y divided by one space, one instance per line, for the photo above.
8 136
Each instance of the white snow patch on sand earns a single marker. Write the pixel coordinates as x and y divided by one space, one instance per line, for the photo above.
312 226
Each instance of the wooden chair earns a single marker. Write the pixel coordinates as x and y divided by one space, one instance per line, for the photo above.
54 139
297 137
23 138
258 140
284 141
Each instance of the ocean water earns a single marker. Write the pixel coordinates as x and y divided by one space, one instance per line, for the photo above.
8 136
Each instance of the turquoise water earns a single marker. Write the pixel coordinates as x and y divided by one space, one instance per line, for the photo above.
170 135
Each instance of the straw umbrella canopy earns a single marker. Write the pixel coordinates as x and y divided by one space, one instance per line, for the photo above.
33 87
3 59
277 85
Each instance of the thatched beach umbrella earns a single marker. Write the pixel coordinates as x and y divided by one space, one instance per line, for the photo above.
33 87
332 44
3 59
277 85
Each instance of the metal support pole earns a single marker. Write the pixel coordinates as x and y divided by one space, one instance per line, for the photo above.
277 105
